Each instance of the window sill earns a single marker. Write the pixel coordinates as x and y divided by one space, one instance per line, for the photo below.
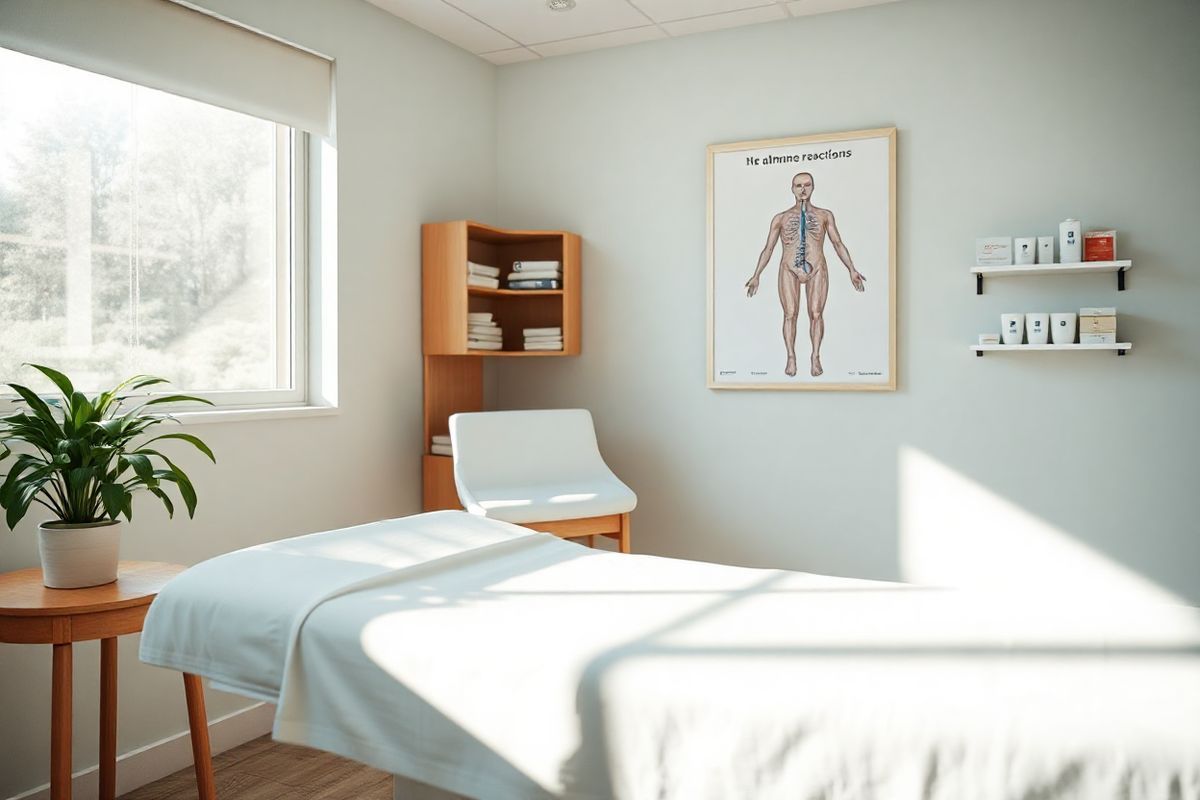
210 415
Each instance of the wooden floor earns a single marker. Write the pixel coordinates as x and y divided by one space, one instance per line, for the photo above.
265 770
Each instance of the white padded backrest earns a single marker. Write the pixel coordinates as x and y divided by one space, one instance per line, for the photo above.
514 448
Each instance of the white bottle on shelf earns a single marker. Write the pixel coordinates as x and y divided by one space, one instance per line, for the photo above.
1070 241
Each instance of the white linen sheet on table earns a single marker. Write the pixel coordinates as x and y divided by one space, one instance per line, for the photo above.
498 663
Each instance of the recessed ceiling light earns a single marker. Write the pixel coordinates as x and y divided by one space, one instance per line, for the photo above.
560 5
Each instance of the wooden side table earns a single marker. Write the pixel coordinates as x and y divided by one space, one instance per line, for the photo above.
32 614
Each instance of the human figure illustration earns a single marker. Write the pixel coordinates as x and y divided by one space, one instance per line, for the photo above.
803 228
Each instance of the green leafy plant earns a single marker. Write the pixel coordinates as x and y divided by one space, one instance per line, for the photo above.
90 455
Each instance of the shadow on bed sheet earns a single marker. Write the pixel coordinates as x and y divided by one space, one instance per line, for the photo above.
589 772
1063 782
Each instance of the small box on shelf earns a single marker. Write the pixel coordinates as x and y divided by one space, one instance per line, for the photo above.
994 251
1098 325
1100 246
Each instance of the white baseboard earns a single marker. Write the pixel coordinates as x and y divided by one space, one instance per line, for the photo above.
159 759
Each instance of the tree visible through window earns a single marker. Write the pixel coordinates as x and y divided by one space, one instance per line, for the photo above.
140 232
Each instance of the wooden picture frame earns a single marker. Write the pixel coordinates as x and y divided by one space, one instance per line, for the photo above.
841 218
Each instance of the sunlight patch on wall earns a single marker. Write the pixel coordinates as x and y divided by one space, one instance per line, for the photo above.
957 532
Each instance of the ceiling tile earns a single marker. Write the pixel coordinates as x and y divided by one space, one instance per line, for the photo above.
448 23
510 56
800 8
631 36
664 10
530 21
732 19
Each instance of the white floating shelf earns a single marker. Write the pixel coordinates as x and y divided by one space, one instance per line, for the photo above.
1053 269
1119 347
1119 267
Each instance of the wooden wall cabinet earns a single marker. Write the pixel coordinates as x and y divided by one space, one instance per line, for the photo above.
453 374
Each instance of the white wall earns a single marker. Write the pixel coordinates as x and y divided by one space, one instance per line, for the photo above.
1011 116
416 142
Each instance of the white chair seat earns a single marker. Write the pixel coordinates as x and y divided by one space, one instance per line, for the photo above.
549 502
534 466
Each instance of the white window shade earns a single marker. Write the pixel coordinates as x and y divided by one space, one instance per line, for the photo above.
168 46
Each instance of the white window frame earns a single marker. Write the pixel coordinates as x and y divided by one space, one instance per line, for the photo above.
294 148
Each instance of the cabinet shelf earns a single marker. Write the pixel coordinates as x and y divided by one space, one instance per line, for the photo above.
1119 347
516 353
483 291
1013 270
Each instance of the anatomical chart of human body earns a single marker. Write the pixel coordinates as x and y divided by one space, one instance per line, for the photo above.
802 262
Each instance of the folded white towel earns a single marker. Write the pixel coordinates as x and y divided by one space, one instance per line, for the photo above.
535 275
543 346
479 280
479 316
441 450
441 439
542 331
482 269
528 266
477 344
543 339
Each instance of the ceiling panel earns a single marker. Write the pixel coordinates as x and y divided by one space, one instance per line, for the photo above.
664 10
511 56
731 19
448 23
801 8
530 21
507 31
631 36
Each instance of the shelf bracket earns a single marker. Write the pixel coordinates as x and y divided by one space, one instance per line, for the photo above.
979 285
979 354
1122 352
1120 283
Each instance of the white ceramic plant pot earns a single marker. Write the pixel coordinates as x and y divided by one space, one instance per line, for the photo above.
75 556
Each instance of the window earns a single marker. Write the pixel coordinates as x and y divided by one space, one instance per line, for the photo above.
144 232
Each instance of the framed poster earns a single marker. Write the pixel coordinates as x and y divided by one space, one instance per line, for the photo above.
802 262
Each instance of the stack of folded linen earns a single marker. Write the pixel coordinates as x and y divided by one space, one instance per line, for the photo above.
482 332
441 446
535 275
483 275
543 339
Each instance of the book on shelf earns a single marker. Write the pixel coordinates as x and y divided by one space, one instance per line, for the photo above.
528 285
482 269
543 346
483 344
442 438
486 283
441 450
529 266
537 275
542 331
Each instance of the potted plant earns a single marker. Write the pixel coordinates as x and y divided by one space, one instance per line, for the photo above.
89 456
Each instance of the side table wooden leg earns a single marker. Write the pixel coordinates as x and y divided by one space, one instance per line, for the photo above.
193 689
108 718
60 724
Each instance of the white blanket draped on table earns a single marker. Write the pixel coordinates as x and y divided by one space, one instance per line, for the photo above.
499 663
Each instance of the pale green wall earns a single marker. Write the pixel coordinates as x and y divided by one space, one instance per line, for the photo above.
416 141
1011 116
611 144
